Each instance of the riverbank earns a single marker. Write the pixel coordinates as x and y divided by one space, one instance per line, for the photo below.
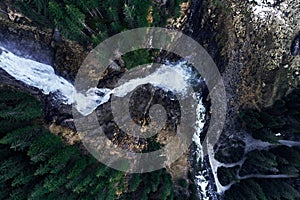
251 47
66 57
254 60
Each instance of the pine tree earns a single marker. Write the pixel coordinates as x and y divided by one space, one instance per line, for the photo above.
43 146
11 167
251 118
154 179
79 167
259 162
18 107
166 189
134 182
21 138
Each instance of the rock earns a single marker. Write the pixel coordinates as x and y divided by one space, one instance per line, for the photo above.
295 47
26 41
68 57
7 81
56 35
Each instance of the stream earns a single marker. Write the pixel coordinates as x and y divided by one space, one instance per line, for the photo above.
43 77
30 64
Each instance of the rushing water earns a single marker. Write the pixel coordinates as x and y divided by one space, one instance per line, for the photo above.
43 77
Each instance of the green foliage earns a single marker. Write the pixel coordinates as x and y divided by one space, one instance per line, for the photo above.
37 11
183 183
166 189
68 19
232 152
271 121
153 145
279 160
23 178
43 146
194 191
247 189
16 110
265 134
288 155
134 182
20 138
40 5
154 185
227 175
78 167
136 12
281 118
18 107
10 168
155 180
92 21
139 57
259 162
251 118
278 189
36 164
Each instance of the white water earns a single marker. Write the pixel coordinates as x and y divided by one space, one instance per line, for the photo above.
201 181
36 74
43 77
251 144
86 104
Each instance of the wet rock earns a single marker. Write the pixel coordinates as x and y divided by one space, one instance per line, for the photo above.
56 35
69 123
7 81
26 41
55 111
295 47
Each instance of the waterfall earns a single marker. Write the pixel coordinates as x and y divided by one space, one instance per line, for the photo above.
43 77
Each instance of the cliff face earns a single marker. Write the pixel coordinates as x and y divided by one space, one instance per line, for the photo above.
254 45
251 44
249 41
270 70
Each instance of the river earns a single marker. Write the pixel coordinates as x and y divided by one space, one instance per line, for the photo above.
43 77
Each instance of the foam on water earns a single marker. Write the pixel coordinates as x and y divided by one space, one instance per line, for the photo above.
36 74
43 76
169 77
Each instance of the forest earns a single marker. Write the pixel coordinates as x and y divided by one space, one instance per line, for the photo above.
92 21
271 170
36 164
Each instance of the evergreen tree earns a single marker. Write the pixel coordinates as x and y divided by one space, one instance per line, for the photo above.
93 20
134 182
277 159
